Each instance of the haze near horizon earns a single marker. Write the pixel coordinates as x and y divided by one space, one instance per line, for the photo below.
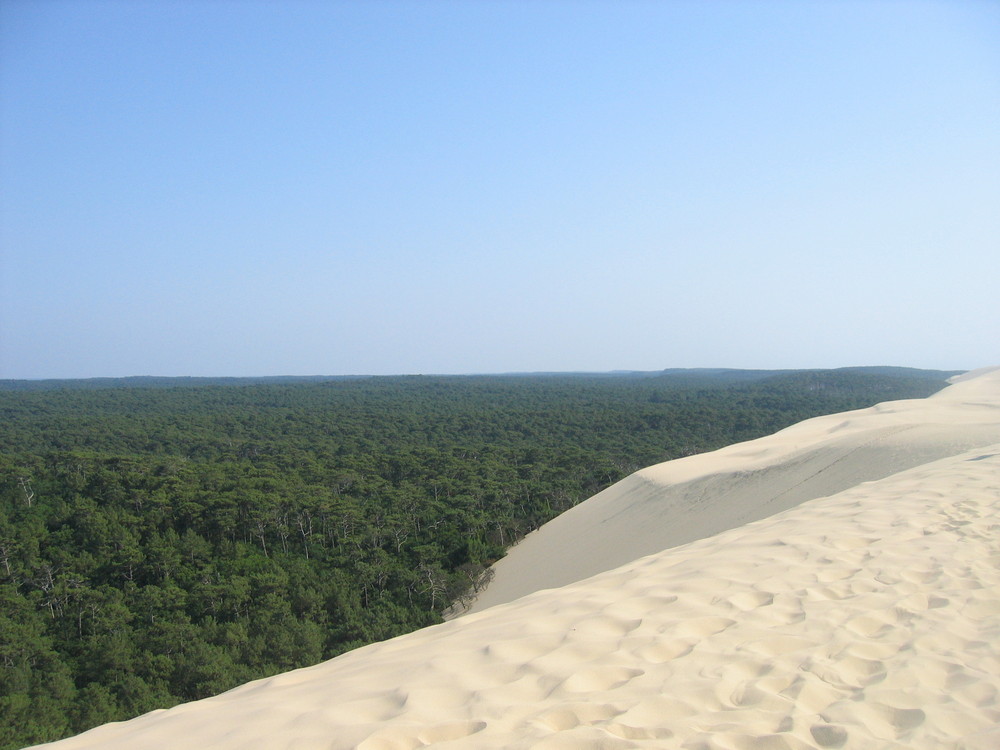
385 188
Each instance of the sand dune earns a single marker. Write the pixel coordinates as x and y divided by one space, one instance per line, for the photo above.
868 618
692 498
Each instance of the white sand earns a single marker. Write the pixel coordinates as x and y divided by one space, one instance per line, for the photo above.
693 498
866 619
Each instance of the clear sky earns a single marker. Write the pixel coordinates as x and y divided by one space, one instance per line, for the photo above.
231 187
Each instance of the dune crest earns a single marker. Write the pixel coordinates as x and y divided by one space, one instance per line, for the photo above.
866 618
692 498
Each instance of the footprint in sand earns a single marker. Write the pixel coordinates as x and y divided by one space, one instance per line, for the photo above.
900 719
748 694
849 672
599 678
928 575
748 600
452 731
981 609
878 718
603 626
828 735
835 592
664 651
638 733
407 738
777 645
702 627
571 715
868 626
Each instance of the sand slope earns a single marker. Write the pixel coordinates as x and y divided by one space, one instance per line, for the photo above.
692 498
866 619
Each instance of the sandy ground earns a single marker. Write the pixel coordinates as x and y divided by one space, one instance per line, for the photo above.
693 498
868 618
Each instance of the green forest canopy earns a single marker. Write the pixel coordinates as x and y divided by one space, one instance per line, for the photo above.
163 540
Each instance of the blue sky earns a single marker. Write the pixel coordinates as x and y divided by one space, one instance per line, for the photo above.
226 187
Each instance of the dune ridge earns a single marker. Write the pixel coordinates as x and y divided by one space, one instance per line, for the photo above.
866 618
691 498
